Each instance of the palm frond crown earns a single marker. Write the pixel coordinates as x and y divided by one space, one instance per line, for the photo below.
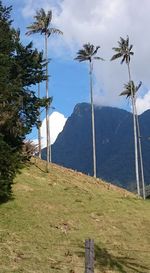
42 24
129 88
123 50
87 53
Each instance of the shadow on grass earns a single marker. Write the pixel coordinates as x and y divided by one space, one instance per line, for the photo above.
36 164
44 171
124 264
7 199
104 260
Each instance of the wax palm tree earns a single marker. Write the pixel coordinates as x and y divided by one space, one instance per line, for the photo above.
42 25
39 117
127 92
88 53
39 128
140 153
124 51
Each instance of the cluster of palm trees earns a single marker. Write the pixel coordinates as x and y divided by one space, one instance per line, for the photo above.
42 25
88 53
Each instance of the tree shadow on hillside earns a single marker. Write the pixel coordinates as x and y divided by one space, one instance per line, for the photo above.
44 171
104 260
123 264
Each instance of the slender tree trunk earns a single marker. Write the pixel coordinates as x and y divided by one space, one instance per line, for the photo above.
93 122
47 108
140 153
135 134
39 129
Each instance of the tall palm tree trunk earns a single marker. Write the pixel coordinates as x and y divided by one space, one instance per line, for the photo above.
93 121
135 134
39 129
47 107
140 153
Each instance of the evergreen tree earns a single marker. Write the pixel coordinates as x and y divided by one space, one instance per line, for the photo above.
20 68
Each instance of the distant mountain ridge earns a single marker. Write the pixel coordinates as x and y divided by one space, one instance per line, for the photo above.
114 144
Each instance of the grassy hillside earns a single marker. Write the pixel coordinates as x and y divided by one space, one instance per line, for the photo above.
44 228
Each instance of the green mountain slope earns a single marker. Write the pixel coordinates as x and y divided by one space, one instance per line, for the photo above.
114 144
44 228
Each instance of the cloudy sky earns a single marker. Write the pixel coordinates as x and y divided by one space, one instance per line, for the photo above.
100 22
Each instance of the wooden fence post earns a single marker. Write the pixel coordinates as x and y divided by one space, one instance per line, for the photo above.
89 256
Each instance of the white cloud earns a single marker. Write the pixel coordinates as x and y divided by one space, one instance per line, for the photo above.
57 122
30 6
143 103
102 22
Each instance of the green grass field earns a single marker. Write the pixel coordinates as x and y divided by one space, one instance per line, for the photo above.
43 229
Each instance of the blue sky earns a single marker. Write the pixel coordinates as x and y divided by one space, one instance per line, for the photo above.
66 84
100 22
